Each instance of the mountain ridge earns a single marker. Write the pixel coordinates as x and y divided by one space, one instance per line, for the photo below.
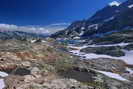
107 20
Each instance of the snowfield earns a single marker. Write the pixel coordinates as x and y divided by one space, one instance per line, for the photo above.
128 58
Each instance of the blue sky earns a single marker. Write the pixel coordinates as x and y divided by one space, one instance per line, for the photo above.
45 12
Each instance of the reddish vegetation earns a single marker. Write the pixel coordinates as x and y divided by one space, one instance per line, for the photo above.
8 68
11 59
24 55
46 56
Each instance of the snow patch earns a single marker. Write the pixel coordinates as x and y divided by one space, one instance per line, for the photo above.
109 19
78 47
129 70
3 74
95 26
33 41
127 58
93 56
130 6
82 32
113 75
109 45
2 84
43 41
82 28
114 3
76 37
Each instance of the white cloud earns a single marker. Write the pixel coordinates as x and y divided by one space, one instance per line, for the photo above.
50 29
60 24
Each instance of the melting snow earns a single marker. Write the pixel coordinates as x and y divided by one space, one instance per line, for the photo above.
128 58
113 75
2 84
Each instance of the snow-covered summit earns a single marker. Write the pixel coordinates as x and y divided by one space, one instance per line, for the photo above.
114 3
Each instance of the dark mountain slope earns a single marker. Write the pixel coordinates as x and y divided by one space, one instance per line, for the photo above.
112 18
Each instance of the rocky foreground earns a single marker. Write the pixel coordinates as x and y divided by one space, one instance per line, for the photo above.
49 65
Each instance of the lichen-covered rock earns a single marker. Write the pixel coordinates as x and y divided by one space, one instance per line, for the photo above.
127 76
66 84
105 64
